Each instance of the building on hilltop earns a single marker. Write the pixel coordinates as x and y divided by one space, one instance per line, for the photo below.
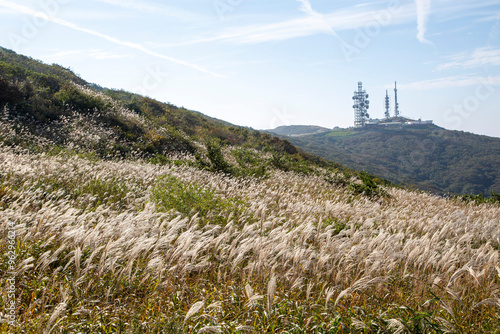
362 119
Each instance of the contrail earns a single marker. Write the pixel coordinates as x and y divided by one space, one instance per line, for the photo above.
307 8
423 10
132 45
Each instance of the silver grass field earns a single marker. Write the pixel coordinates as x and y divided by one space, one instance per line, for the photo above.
109 247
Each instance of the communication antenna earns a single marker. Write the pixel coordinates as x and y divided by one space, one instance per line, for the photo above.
387 105
361 105
396 107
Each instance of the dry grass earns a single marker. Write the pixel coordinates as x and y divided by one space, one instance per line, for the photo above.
290 253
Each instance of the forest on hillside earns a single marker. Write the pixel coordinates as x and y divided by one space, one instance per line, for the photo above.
427 157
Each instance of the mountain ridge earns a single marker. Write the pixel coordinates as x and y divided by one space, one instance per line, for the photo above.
427 156
50 108
298 130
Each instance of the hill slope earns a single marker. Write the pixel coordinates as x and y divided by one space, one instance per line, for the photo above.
121 214
47 107
428 157
127 246
298 130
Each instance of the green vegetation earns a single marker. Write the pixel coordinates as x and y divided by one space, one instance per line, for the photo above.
216 157
47 106
128 246
189 199
368 187
291 130
426 157
250 162
342 133
479 199
135 216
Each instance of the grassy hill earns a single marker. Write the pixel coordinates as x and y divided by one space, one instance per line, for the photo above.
49 108
128 246
298 130
428 157
121 214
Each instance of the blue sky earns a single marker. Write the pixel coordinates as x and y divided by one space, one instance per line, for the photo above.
269 63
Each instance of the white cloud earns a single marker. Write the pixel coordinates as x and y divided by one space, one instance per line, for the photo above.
347 19
64 54
102 54
423 11
319 19
94 53
164 10
451 82
486 56
136 46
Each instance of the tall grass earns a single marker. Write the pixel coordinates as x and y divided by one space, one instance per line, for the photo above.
127 246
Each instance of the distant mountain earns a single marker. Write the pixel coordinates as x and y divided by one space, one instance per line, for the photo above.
298 130
427 156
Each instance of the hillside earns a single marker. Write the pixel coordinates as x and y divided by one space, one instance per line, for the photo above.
428 157
122 214
49 108
298 130
128 246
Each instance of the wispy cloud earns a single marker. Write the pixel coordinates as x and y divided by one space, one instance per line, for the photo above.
28 11
450 82
164 10
495 31
94 53
319 19
423 11
486 56
314 23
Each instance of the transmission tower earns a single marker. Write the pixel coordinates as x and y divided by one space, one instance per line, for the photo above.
361 105
396 104
387 105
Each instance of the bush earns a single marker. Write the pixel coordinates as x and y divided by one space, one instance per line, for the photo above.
71 95
479 199
216 157
188 199
249 162
368 188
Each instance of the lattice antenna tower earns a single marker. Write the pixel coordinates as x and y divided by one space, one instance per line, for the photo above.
387 105
396 104
361 105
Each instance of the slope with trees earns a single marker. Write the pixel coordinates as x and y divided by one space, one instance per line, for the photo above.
428 157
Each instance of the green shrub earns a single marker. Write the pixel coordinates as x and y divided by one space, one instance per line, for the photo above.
71 95
368 188
249 163
159 159
479 199
188 199
216 157
338 226
278 161
341 180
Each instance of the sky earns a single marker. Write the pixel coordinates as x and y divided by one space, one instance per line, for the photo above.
263 64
